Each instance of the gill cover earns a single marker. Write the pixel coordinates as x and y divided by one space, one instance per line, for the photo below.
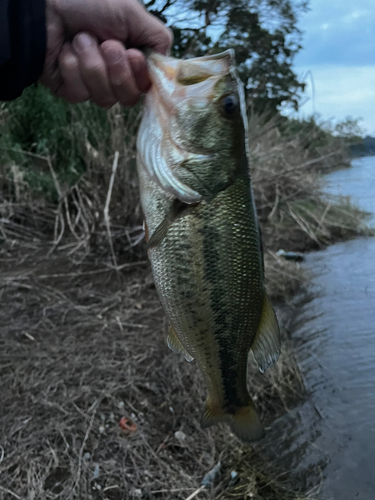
174 81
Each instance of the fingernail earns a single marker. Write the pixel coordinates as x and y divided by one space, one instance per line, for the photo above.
112 56
82 42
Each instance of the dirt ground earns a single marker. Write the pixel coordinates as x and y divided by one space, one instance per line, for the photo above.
81 347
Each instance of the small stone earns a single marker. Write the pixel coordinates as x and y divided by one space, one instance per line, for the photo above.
101 429
121 405
87 455
180 435
137 493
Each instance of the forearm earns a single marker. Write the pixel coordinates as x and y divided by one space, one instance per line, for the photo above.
22 45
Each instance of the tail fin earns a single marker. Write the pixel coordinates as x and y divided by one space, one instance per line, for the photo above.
244 422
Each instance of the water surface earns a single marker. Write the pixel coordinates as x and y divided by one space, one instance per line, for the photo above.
335 334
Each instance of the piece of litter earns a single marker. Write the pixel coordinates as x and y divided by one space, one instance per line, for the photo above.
121 405
233 478
127 425
210 477
101 429
96 471
30 337
298 257
87 455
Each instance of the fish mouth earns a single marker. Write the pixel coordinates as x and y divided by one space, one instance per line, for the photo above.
176 79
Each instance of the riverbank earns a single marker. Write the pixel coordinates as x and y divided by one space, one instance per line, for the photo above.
82 331
332 430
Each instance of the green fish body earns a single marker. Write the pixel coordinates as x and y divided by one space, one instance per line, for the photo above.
204 241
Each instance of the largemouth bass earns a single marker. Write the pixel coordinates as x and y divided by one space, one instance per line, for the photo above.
202 231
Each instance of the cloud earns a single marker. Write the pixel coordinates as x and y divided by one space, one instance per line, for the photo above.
339 50
338 32
341 91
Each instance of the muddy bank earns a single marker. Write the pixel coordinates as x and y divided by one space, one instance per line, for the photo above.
83 347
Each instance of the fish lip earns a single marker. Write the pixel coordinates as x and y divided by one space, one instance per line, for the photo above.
228 55
167 73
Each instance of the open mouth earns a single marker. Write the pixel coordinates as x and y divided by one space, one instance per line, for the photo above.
168 71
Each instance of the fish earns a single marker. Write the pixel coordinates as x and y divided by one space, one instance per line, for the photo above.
203 235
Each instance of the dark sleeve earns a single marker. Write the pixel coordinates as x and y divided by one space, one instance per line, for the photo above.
22 45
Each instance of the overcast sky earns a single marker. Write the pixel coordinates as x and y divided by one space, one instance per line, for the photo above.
339 50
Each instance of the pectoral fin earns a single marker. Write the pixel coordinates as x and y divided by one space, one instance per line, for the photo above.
266 346
177 209
175 345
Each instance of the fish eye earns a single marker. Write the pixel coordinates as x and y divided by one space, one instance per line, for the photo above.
229 104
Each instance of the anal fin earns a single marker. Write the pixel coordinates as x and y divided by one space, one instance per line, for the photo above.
266 346
175 345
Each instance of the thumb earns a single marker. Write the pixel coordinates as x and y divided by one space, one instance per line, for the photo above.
144 29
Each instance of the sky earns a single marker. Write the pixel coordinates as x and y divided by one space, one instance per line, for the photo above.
339 57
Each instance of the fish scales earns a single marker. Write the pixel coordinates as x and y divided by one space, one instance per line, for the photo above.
206 254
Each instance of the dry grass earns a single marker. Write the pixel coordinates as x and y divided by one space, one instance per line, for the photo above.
82 347
288 188
82 333
286 177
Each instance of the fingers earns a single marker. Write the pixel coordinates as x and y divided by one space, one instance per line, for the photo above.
143 29
93 70
139 68
125 20
107 74
127 72
73 89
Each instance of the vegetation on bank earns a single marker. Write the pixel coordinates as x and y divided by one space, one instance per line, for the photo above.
81 328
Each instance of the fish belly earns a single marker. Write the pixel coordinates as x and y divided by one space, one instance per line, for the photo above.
208 274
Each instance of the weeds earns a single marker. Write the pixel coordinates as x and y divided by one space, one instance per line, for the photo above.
81 328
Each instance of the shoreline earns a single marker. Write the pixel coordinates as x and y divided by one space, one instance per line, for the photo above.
83 332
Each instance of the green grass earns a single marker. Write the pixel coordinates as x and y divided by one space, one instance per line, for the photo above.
39 124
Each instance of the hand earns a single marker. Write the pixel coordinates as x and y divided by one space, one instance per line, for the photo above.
96 64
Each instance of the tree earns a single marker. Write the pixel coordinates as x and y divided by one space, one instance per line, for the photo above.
263 33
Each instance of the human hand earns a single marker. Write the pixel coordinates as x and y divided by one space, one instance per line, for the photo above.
96 64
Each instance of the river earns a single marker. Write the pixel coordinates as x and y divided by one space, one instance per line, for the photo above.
333 430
